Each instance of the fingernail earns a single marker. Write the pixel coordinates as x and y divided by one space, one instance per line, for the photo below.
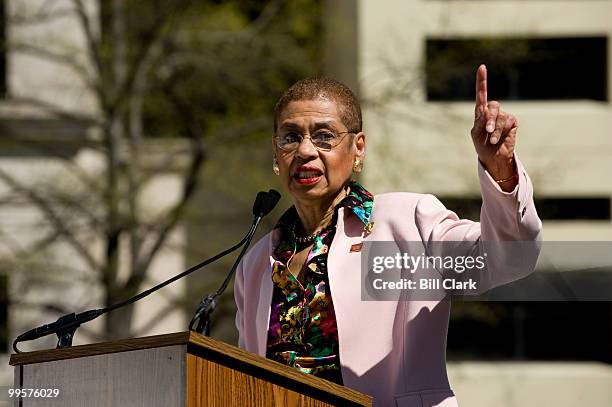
490 127
494 140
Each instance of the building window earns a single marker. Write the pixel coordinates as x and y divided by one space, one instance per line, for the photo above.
528 330
550 208
518 68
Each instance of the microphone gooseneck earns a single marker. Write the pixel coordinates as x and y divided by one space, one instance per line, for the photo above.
264 203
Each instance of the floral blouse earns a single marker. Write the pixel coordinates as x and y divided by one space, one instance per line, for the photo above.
302 331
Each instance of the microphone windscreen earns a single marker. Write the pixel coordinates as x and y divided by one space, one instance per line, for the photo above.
265 202
273 197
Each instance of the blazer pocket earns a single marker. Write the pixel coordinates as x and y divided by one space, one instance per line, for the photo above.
427 398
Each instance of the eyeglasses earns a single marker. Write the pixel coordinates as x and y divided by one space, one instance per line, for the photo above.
323 140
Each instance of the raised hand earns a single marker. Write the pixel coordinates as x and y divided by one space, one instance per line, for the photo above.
494 135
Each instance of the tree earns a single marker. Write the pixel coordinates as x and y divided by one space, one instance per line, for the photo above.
169 80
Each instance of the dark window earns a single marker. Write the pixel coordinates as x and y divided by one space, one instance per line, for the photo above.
518 68
575 208
530 330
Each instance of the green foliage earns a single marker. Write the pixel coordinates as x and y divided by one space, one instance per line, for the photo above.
227 62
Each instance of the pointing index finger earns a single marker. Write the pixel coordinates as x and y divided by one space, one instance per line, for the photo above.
481 86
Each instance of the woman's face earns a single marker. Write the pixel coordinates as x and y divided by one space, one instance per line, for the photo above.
307 173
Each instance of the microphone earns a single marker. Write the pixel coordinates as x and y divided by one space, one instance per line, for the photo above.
264 203
68 321
66 325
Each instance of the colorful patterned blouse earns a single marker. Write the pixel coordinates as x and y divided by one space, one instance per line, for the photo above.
303 332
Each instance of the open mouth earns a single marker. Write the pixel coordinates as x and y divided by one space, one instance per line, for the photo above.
307 175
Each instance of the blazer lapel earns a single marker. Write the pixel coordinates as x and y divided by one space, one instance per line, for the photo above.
265 299
344 283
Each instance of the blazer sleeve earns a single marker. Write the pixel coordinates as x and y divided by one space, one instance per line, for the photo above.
239 298
504 217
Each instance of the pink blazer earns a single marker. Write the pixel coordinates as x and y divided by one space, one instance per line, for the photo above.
394 351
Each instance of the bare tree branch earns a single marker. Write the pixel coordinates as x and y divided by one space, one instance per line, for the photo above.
12 244
249 33
40 17
93 48
77 274
53 217
56 111
58 151
194 132
74 203
148 41
67 60
189 188
229 134
264 19
135 143
40 244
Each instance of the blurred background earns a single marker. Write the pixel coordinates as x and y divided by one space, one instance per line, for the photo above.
135 134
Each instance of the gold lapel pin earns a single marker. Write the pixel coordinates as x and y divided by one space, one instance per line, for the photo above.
356 247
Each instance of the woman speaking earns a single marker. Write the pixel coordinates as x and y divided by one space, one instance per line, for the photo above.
298 290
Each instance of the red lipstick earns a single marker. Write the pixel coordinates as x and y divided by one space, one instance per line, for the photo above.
307 174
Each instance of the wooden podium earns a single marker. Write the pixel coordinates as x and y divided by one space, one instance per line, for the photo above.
179 369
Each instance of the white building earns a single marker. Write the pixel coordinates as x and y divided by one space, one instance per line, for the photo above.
418 136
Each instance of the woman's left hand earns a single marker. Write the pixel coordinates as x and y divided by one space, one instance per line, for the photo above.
494 135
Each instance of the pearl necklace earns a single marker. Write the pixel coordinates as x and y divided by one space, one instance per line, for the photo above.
299 239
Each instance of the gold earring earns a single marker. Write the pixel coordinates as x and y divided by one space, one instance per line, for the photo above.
357 165
275 166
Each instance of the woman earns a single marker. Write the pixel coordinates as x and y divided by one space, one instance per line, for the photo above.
298 290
